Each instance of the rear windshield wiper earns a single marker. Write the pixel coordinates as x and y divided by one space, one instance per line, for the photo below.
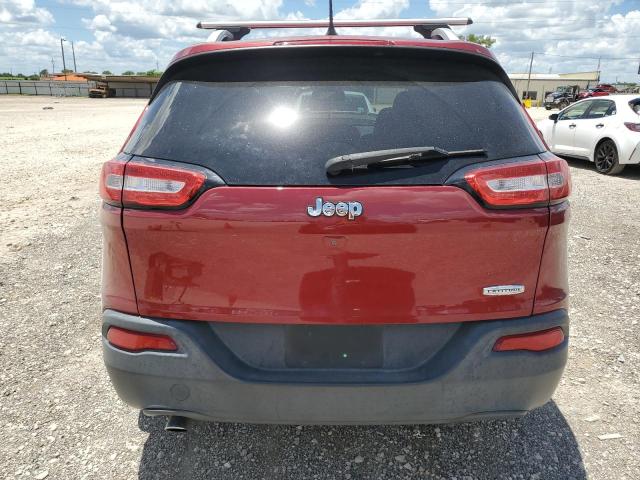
392 158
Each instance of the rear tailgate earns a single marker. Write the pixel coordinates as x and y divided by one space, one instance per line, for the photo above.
416 254
421 251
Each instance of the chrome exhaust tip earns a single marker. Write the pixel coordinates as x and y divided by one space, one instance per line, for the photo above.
176 424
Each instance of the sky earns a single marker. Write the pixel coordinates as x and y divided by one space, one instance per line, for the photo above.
119 35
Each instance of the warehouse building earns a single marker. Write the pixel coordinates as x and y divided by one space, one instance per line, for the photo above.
130 86
542 83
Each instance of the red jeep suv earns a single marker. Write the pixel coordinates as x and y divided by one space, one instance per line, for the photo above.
335 229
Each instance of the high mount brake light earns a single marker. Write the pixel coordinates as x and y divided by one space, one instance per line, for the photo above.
142 184
530 183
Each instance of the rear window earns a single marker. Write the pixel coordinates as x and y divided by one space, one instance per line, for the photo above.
283 132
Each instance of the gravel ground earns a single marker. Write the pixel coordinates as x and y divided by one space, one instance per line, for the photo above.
61 419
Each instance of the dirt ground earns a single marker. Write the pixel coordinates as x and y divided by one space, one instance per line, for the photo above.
61 419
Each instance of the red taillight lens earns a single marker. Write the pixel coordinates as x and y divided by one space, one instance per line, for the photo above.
522 184
511 184
139 341
558 178
144 184
634 127
152 185
111 181
534 342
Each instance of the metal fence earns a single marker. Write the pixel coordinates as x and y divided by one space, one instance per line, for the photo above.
44 87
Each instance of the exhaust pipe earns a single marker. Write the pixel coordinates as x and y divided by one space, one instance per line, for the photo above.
176 424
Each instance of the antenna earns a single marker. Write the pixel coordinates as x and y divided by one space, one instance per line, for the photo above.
331 30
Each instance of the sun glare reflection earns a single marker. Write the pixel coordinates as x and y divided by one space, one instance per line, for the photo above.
282 117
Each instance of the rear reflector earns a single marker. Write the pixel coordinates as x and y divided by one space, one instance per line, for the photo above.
634 127
534 342
148 184
139 341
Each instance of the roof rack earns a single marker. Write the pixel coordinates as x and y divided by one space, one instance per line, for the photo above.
431 28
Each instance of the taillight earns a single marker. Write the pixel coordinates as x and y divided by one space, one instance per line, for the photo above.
533 342
111 181
634 127
149 184
139 341
511 184
558 178
530 183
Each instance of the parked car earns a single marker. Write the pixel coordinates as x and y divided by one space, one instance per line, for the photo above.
605 131
562 97
600 90
266 266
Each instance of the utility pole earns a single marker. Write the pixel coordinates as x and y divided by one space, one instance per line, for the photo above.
64 65
529 77
598 69
53 66
73 51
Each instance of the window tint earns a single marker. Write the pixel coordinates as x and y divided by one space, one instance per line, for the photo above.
600 108
575 112
282 133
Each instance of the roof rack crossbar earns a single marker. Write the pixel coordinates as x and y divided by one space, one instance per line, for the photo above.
436 28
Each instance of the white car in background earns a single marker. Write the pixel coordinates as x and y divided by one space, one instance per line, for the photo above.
603 130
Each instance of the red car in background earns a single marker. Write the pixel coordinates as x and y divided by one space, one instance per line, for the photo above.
600 90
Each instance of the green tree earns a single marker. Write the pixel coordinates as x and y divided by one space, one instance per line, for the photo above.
44 72
107 72
153 73
129 72
484 40
66 70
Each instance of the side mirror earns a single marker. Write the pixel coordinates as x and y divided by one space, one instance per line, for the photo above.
554 117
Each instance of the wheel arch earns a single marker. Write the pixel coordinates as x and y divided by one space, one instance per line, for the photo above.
592 153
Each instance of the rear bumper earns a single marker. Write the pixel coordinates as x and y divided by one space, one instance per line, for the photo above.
464 380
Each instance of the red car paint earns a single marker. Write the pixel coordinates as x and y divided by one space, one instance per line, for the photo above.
329 40
417 254
601 90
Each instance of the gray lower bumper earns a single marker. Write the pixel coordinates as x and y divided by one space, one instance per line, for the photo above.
464 381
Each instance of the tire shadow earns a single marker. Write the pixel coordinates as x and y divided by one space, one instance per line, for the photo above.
538 446
631 172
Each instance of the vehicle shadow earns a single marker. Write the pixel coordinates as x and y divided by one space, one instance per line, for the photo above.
538 446
631 172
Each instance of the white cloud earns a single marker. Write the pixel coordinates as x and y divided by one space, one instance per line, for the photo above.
567 36
23 11
130 34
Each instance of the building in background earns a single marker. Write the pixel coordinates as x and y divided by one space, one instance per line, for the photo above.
129 86
542 83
